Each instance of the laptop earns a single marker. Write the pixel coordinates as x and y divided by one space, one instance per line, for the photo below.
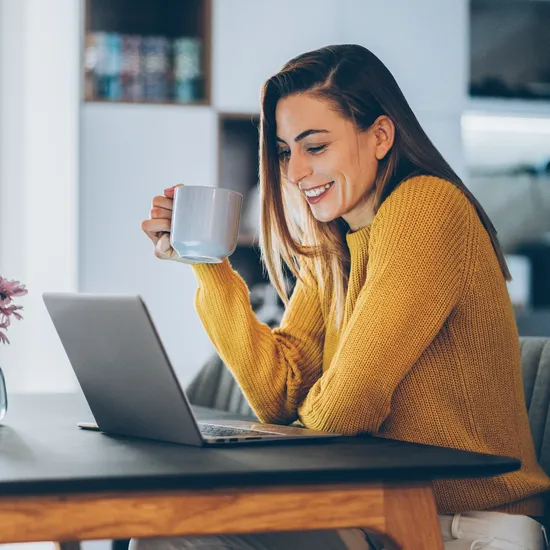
128 381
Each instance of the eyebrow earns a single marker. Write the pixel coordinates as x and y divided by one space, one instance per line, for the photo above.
303 135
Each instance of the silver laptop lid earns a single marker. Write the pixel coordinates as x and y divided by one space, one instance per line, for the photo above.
121 365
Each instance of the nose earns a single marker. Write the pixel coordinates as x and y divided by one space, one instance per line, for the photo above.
298 168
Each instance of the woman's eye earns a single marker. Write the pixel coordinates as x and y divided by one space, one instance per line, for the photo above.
284 154
317 149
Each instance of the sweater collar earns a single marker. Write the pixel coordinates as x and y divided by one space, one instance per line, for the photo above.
358 240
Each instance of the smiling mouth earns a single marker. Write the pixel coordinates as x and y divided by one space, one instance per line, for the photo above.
316 191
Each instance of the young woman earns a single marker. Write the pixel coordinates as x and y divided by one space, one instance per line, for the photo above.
400 323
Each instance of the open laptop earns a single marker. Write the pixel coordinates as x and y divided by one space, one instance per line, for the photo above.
128 381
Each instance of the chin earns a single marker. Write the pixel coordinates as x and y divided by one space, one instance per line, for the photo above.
325 217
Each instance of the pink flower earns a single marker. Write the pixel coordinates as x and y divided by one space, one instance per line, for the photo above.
9 290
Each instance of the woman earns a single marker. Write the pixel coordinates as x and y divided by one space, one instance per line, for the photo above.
400 323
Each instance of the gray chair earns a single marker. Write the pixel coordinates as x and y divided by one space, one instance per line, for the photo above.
535 361
215 387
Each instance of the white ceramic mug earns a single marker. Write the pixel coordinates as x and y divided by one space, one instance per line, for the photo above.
205 223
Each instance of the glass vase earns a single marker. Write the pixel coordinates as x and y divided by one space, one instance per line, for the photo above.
3 396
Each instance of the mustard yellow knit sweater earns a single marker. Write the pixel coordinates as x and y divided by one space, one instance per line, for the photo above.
428 351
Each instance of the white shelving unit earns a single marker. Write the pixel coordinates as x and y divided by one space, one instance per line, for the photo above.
508 107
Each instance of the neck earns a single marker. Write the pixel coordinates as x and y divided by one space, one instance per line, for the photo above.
362 215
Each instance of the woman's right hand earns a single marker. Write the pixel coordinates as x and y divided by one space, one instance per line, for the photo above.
159 225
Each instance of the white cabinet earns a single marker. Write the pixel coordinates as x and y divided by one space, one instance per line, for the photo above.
130 153
252 40
423 43
444 129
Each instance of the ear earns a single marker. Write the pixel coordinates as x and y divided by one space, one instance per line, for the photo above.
384 132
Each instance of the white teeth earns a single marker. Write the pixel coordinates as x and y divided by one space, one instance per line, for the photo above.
317 191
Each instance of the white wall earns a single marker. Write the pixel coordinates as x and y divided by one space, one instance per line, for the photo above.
130 153
426 48
39 110
252 40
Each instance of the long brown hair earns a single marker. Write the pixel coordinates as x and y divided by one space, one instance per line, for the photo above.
360 87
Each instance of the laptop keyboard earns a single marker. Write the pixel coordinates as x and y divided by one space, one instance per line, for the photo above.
211 430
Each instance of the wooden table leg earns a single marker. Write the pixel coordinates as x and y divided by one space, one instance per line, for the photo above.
410 518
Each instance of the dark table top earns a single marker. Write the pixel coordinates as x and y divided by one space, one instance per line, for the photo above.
42 451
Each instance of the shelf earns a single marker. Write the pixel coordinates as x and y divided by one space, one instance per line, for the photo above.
238 167
508 107
198 103
238 151
146 51
238 170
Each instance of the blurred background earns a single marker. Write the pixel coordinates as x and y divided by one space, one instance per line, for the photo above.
104 103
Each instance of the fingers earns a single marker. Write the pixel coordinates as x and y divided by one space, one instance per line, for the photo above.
158 226
163 213
163 202
170 191
154 227
163 249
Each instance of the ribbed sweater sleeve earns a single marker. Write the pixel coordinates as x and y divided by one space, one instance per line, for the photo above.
415 276
275 368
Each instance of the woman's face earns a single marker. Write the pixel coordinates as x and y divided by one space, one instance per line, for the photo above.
332 163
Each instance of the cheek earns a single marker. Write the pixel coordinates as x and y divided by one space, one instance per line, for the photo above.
324 168
332 165
356 180
364 173
355 173
369 171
